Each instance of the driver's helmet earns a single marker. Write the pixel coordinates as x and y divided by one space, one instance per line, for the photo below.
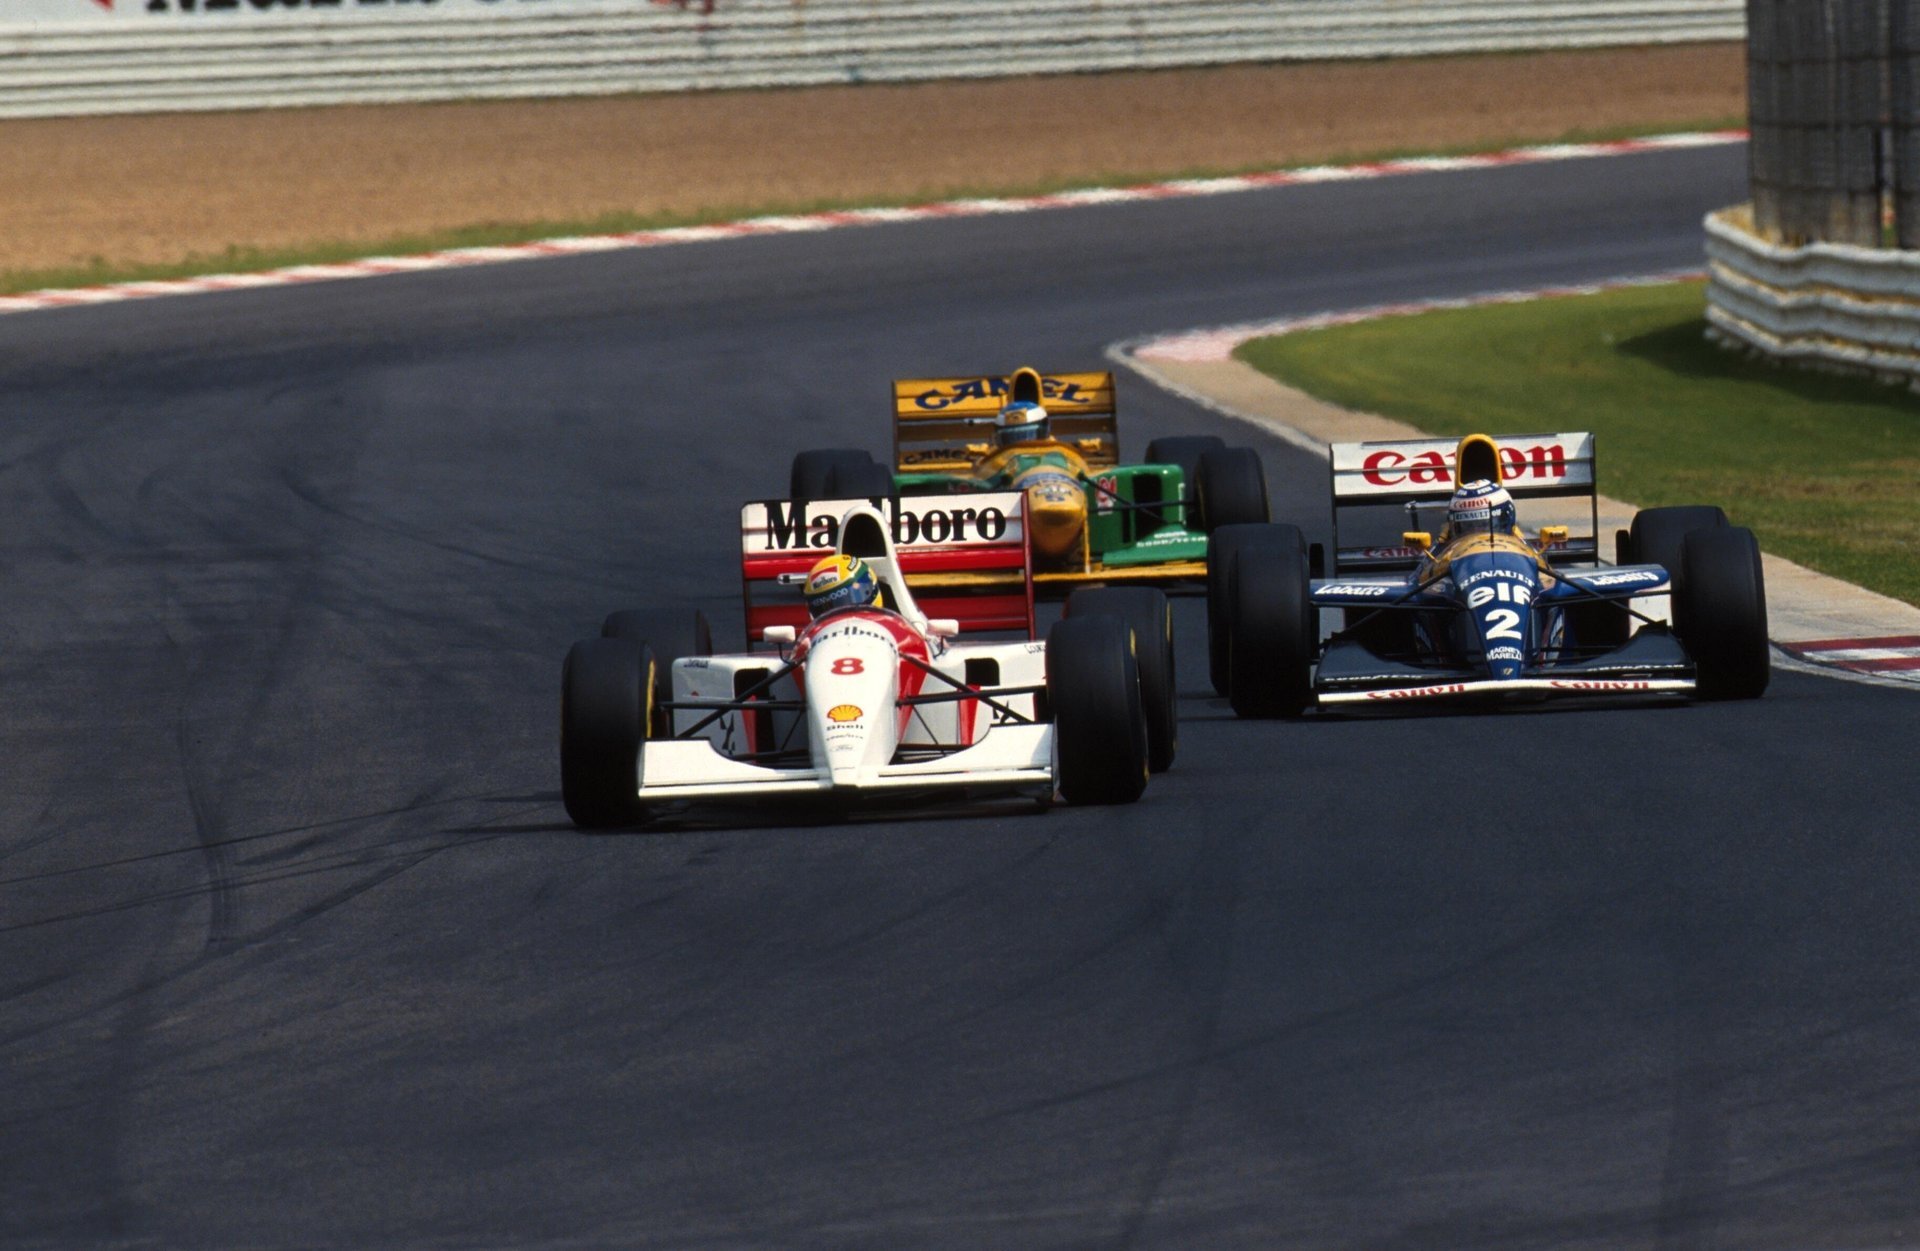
838 582
1022 421
1480 507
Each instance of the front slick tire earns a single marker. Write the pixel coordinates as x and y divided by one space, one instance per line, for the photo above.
1145 608
1100 724
1222 545
1270 634
1720 613
606 702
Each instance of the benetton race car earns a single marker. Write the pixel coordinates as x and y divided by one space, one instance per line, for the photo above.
1486 612
1055 439
869 701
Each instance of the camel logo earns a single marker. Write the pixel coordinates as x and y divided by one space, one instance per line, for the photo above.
844 713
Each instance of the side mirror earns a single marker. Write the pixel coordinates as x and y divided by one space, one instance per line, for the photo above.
1419 540
780 634
943 627
1553 536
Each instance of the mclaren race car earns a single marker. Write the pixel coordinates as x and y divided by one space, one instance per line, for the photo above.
1055 439
1485 611
873 700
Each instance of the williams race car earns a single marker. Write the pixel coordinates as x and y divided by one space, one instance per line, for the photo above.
1485 612
857 692
1055 439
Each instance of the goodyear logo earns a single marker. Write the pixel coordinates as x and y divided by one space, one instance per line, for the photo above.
844 713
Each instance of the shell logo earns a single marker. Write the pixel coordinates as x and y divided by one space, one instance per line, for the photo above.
844 713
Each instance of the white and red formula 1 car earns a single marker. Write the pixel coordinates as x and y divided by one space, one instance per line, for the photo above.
867 702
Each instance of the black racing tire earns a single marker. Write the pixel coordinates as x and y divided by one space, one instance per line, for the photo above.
1720 612
812 474
1221 546
1270 636
1185 451
860 482
1232 488
1099 719
1657 533
1147 613
669 636
606 702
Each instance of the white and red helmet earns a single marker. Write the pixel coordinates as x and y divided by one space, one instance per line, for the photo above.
1480 507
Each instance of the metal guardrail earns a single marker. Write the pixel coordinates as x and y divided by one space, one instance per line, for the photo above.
1831 303
255 58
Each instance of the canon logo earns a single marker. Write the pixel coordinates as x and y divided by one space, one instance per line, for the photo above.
1388 468
1598 685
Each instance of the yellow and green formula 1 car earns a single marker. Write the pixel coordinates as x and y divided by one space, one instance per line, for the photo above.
1055 439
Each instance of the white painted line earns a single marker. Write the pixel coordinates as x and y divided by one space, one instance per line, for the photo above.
844 219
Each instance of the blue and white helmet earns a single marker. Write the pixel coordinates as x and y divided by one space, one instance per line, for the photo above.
1480 507
1022 421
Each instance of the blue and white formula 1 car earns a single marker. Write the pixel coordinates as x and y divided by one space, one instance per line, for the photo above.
862 703
1485 612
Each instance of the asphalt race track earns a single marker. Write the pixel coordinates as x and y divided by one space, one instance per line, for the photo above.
297 948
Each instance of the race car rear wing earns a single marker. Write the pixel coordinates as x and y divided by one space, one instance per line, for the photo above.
965 557
945 425
1420 475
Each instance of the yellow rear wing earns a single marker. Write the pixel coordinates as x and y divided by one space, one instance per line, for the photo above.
945 425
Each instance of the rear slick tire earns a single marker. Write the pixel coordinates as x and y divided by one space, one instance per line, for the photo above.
606 702
1145 609
811 477
1657 534
1186 451
1099 722
871 481
1232 488
1720 613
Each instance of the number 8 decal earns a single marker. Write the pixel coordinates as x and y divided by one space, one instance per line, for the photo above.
853 664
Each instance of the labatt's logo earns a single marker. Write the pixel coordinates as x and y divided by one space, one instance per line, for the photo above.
1388 468
789 526
1052 390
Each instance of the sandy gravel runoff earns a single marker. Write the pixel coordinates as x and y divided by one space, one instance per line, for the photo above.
156 189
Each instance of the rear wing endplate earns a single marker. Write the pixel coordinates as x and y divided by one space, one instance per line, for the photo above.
945 425
1414 472
965 557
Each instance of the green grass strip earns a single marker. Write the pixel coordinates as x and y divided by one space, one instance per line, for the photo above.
228 259
1825 469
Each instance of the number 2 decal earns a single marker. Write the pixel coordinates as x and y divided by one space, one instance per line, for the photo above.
853 664
1500 623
